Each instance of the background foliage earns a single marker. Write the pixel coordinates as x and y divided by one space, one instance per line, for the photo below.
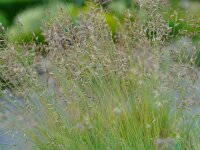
30 13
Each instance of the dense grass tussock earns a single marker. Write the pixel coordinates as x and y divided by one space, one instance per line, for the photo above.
87 88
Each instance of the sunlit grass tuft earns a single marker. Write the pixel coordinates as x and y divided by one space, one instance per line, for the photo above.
85 88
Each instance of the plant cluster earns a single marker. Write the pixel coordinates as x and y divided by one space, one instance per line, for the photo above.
86 87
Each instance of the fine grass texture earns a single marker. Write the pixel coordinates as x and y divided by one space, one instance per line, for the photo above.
88 88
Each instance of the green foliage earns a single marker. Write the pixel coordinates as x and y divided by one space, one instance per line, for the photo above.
26 23
30 21
3 19
14 1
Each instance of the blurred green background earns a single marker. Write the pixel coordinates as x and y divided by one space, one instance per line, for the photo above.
23 17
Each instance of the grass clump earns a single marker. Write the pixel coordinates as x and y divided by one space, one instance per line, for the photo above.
85 88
